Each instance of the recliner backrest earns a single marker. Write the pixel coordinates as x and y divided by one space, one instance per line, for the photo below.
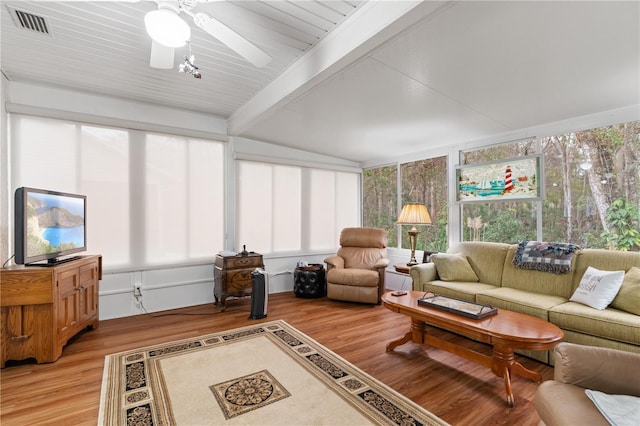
361 248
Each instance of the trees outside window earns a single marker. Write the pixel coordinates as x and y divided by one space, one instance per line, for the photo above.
423 181
592 194
380 200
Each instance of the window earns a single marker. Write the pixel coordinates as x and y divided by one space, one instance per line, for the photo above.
180 174
380 200
269 206
151 199
499 221
591 180
283 208
591 183
423 181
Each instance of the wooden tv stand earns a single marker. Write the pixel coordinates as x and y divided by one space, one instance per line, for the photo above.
43 307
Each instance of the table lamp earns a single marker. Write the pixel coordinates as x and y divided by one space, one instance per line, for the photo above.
414 214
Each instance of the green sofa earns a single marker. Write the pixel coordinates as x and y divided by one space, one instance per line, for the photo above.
540 294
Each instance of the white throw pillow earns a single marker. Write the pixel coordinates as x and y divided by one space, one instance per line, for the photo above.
598 288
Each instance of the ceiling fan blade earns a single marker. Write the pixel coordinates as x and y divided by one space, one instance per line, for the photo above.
161 56
232 39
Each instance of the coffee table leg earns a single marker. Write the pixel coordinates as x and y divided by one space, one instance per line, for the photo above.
507 384
520 370
504 365
415 334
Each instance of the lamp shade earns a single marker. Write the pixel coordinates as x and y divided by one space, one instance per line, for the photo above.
414 214
167 28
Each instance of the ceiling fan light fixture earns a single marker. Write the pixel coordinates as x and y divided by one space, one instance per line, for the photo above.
167 28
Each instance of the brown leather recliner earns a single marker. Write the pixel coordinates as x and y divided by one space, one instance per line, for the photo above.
356 273
563 401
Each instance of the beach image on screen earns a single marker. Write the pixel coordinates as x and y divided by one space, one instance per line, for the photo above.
54 223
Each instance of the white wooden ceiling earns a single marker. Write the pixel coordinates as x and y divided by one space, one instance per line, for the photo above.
102 47
434 74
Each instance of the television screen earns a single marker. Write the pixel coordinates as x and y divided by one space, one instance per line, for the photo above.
49 224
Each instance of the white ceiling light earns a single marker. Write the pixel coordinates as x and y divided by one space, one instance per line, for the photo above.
166 27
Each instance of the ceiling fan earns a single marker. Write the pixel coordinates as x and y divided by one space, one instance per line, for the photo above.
168 31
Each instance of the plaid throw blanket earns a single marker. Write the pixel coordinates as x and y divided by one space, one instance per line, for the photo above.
543 256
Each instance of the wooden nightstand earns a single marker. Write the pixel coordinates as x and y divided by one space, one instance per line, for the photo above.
232 276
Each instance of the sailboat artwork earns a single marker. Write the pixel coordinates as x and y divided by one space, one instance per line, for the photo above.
509 179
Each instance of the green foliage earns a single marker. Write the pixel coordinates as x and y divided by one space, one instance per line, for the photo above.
379 200
579 203
508 228
624 221
499 222
433 237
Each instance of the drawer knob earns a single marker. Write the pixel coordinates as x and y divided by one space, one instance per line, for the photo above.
20 338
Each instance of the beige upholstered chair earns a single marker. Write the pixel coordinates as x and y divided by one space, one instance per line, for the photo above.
356 273
563 401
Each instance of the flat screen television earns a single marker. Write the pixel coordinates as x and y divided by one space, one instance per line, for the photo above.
49 226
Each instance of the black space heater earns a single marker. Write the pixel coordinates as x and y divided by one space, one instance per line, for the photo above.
259 294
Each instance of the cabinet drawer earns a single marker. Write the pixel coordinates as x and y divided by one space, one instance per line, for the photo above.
239 280
244 262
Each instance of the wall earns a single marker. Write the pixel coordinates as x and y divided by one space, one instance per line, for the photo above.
167 286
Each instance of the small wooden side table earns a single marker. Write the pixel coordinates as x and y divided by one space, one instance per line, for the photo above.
402 268
232 276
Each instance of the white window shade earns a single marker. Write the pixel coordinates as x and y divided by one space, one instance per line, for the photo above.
288 208
254 210
151 199
334 205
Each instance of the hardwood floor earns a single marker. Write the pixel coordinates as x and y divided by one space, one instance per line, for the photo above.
67 392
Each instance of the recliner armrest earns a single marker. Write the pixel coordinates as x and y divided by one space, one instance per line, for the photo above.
334 262
606 370
382 263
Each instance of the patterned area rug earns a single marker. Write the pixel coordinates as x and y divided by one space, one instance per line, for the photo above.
265 374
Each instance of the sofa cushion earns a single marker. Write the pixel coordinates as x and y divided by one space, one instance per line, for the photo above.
598 288
456 289
605 260
608 323
536 281
353 277
524 302
486 259
601 342
628 298
453 267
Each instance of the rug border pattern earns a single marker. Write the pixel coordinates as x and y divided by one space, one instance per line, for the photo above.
352 384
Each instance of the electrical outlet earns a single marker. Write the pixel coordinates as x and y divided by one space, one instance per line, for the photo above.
137 290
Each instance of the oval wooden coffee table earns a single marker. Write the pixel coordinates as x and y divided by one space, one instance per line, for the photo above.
504 331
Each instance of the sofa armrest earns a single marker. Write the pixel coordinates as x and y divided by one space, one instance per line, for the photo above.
607 370
334 262
422 273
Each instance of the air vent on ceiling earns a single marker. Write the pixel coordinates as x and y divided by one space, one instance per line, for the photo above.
30 21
